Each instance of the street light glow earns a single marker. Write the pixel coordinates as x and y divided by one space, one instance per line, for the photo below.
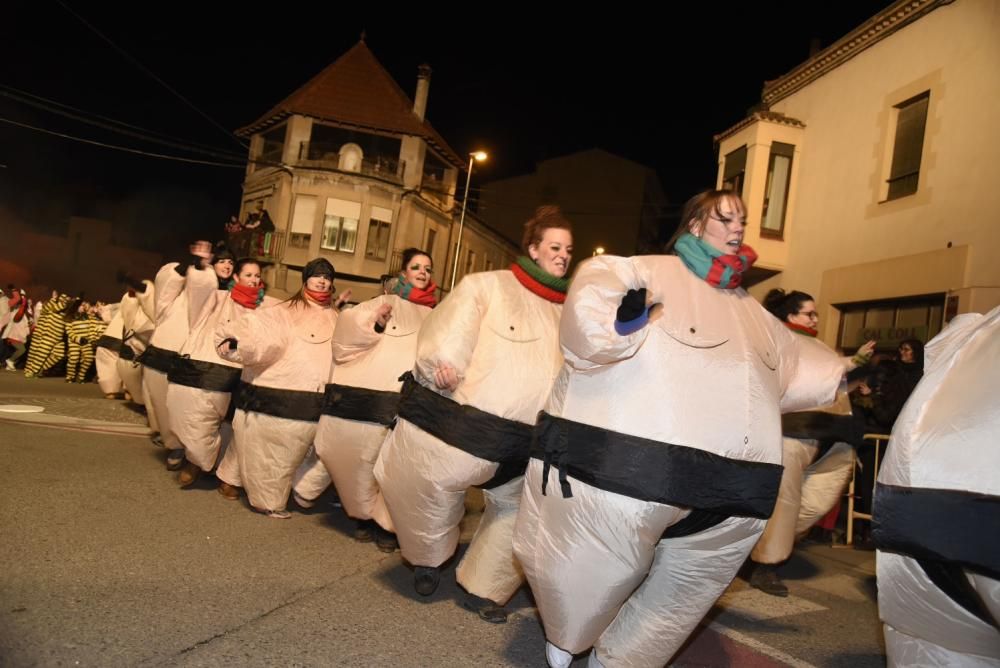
477 156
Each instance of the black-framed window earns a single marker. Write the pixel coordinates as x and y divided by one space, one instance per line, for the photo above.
889 321
734 170
908 145
779 181
377 246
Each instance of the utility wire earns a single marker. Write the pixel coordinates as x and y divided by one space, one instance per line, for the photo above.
151 74
123 148
38 100
130 133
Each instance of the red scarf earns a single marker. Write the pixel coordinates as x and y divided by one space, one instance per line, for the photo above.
536 286
22 305
412 293
246 296
321 298
802 329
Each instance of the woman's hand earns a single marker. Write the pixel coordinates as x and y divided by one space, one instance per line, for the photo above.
383 315
445 377
203 250
344 297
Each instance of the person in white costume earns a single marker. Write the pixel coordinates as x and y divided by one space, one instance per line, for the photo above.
137 305
180 290
286 355
108 348
936 521
817 451
374 344
658 457
201 383
486 360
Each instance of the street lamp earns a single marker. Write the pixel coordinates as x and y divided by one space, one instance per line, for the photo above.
598 251
478 156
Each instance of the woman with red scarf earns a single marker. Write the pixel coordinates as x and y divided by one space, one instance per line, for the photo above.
286 356
817 451
201 383
486 360
180 289
658 456
373 345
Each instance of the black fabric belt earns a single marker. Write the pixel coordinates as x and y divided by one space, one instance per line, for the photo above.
109 342
648 470
126 353
824 427
158 358
360 403
939 525
469 429
950 579
289 404
204 375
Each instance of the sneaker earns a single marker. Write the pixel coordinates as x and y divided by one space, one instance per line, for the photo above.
426 579
765 578
175 459
487 610
10 366
385 541
302 502
364 532
229 492
278 514
157 440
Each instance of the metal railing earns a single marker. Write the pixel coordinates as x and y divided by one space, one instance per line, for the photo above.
327 156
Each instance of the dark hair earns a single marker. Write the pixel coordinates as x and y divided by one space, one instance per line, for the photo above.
782 304
242 262
545 217
411 253
917 346
699 208
314 267
221 252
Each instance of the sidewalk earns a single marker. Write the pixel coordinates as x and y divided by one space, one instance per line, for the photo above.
67 406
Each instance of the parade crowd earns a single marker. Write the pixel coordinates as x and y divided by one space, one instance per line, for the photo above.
639 434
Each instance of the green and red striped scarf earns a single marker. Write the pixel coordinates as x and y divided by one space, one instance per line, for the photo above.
717 268
539 281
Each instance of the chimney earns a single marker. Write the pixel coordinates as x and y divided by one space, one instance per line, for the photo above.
423 86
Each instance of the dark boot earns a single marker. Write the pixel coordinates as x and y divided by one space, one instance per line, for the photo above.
364 532
487 610
765 578
385 541
426 579
189 473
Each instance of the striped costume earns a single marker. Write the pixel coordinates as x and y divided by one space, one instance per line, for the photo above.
48 346
80 356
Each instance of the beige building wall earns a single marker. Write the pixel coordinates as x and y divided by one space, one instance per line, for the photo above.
843 242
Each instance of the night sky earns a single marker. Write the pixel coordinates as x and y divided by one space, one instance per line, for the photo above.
525 88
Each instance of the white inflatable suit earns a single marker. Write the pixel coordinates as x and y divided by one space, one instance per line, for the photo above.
682 414
937 506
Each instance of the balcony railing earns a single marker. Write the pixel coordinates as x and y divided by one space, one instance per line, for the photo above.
327 156
266 246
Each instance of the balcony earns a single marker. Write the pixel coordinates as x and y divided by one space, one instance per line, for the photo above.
263 246
318 155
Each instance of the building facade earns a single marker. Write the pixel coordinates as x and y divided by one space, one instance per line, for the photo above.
870 173
348 168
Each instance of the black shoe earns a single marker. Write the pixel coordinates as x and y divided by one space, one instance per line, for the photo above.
766 579
175 459
385 541
426 579
365 531
487 610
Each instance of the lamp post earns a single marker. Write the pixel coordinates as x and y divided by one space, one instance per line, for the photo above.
598 251
478 156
